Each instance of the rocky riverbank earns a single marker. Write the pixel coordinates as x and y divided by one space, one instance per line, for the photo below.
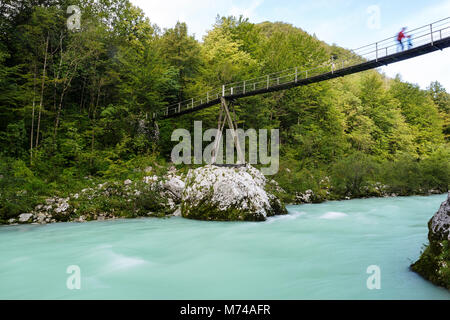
206 193
434 263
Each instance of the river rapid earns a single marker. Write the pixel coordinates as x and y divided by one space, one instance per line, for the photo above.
318 251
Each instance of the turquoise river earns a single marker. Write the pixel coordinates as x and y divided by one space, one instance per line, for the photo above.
319 251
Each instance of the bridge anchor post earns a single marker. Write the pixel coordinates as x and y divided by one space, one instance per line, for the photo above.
225 117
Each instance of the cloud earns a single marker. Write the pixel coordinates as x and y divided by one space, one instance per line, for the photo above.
198 14
246 11
343 23
424 69
430 67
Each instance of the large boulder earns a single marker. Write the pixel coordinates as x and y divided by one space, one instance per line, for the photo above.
440 223
228 194
25 217
434 263
169 187
175 185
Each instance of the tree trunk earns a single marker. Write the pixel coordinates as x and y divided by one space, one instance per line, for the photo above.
62 94
93 123
57 72
82 95
58 114
32 114
66 84
42 92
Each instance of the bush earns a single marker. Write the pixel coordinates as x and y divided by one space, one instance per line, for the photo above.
408 175
353 175
20 190
436 170
402 175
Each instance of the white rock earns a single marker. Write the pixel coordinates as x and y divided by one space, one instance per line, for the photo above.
305 197
40 218
148 169
62 207
150 179
171 203
440 223
177 213
172 169
102 185
225 188
127 182
175 185
24 217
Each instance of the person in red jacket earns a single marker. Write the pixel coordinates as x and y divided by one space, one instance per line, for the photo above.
401 35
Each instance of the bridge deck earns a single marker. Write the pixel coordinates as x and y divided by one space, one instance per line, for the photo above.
292 80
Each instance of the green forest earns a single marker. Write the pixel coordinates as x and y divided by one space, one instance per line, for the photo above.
76 106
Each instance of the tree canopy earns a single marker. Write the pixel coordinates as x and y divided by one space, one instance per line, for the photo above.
80 103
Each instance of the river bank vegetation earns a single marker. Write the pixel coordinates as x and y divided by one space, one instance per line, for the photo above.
76 107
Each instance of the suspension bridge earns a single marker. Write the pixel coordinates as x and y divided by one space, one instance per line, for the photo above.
426 39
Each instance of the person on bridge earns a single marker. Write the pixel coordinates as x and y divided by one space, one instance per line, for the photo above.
410 44
400 37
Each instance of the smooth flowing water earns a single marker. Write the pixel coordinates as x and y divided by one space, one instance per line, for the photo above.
319 251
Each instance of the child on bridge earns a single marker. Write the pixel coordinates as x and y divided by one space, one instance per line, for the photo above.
410 44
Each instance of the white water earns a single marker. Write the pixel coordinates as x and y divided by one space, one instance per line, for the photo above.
319 251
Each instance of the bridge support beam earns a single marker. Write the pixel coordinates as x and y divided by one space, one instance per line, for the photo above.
225 117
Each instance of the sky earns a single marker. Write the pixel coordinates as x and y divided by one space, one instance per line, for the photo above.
347 23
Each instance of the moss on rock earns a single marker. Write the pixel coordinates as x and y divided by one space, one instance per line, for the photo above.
434 263
229 194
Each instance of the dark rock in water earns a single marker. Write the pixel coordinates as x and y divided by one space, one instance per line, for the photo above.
221 193
434 263
440 223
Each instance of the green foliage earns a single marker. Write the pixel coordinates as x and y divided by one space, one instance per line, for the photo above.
77 107
20 189
353 175
434 263
442 100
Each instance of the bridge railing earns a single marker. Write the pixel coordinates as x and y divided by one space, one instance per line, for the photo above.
372 52
419 36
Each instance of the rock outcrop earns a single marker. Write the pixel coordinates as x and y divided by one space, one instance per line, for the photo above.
440 223
207 193
228 194
434 263
25 217
153 196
